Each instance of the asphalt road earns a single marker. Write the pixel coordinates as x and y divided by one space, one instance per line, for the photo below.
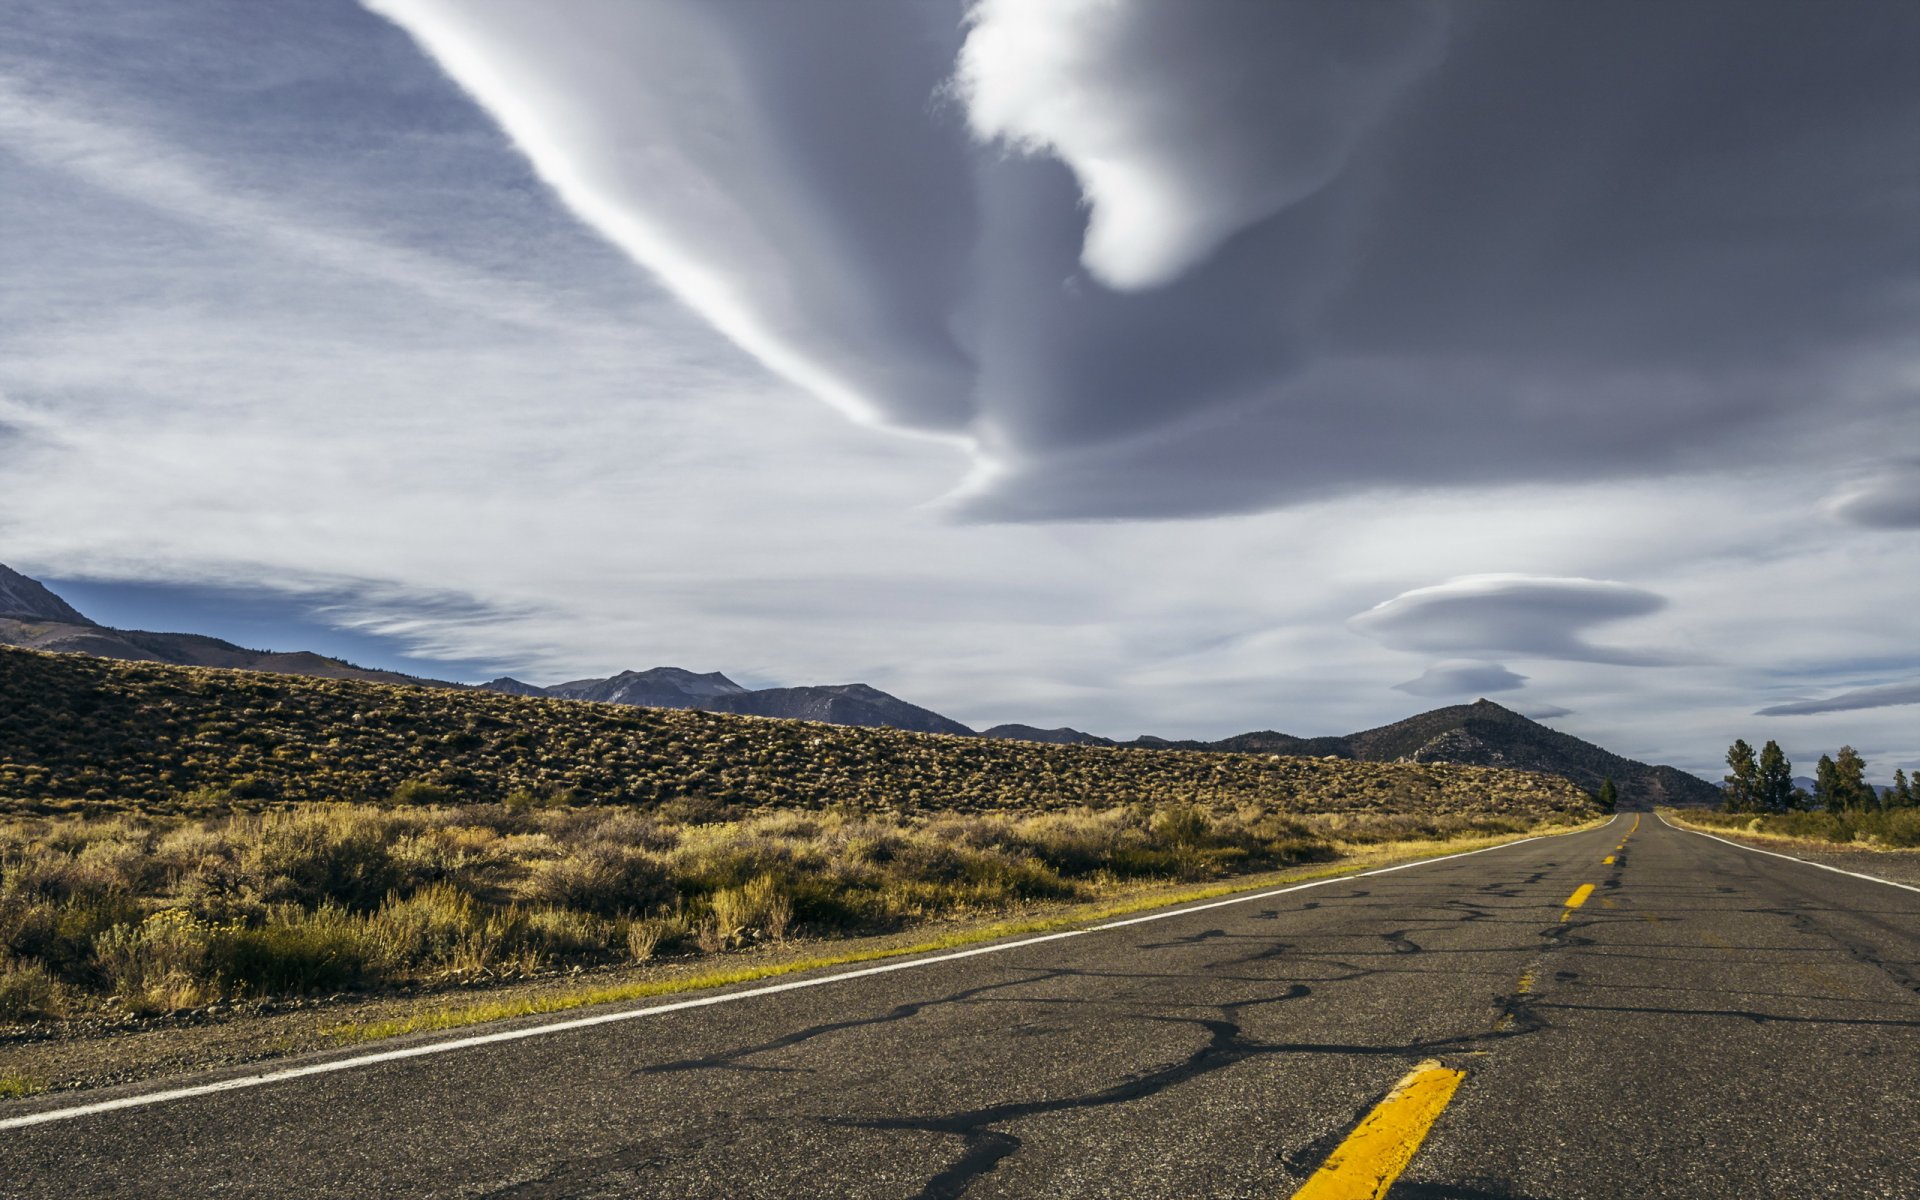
1709 1022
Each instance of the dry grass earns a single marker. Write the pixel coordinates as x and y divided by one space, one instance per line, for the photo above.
152 914
1885 829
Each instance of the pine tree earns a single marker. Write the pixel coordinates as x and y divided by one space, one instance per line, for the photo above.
1902 794
1609 795
1776 779
1742 786
1850 778
1826 786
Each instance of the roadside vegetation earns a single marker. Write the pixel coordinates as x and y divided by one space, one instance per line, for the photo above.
150 914
177 837
1843 808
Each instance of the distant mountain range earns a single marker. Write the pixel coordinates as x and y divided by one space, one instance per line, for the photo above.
1479 734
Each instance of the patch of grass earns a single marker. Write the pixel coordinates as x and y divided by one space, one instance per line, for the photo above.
1884 829
15 1086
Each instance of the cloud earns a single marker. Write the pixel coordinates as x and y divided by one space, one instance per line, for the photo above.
1512 614
1460 677
1888 499
1183 132
1219 257
1545 712
1884 696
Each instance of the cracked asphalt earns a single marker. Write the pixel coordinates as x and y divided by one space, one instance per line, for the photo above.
1710 1023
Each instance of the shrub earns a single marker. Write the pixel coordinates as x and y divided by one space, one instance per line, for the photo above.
160 964
27 990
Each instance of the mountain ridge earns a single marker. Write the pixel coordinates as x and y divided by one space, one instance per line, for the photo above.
1479 734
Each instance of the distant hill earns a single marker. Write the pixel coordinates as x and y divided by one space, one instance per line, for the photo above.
1052 737
1486 734
89 733
673 687
838 704
661 687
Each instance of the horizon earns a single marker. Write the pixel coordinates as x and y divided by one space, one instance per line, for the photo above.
472 344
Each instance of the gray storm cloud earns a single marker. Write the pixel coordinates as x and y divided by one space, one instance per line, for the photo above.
1885 696
1462 677
1153 259
1537 617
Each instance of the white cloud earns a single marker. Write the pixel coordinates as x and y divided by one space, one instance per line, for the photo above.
1186 123
1542 617
1462 677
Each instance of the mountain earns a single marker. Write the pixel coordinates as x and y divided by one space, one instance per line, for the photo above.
28 599
838 704
1052 737
1485 734
34 618
661 687
510 686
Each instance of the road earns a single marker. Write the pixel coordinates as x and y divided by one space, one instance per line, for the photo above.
1706 1022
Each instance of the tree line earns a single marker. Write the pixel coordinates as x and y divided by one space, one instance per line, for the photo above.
1763 783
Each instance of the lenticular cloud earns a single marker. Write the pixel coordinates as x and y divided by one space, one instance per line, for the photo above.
1182 132
1154 259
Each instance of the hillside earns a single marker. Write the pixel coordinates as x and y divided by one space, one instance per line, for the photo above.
77 731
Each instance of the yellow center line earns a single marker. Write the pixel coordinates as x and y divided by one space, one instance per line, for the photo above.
1365 1165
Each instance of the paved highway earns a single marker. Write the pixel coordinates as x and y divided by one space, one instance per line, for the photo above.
1631 1011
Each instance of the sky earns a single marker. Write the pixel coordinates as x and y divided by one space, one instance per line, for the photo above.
1143 367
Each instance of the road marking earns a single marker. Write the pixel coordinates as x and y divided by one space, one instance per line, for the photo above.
1790 858
1608 860
1365 1165
529 1031
1574 901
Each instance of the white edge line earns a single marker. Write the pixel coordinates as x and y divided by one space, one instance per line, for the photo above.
1790 858
511 1035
